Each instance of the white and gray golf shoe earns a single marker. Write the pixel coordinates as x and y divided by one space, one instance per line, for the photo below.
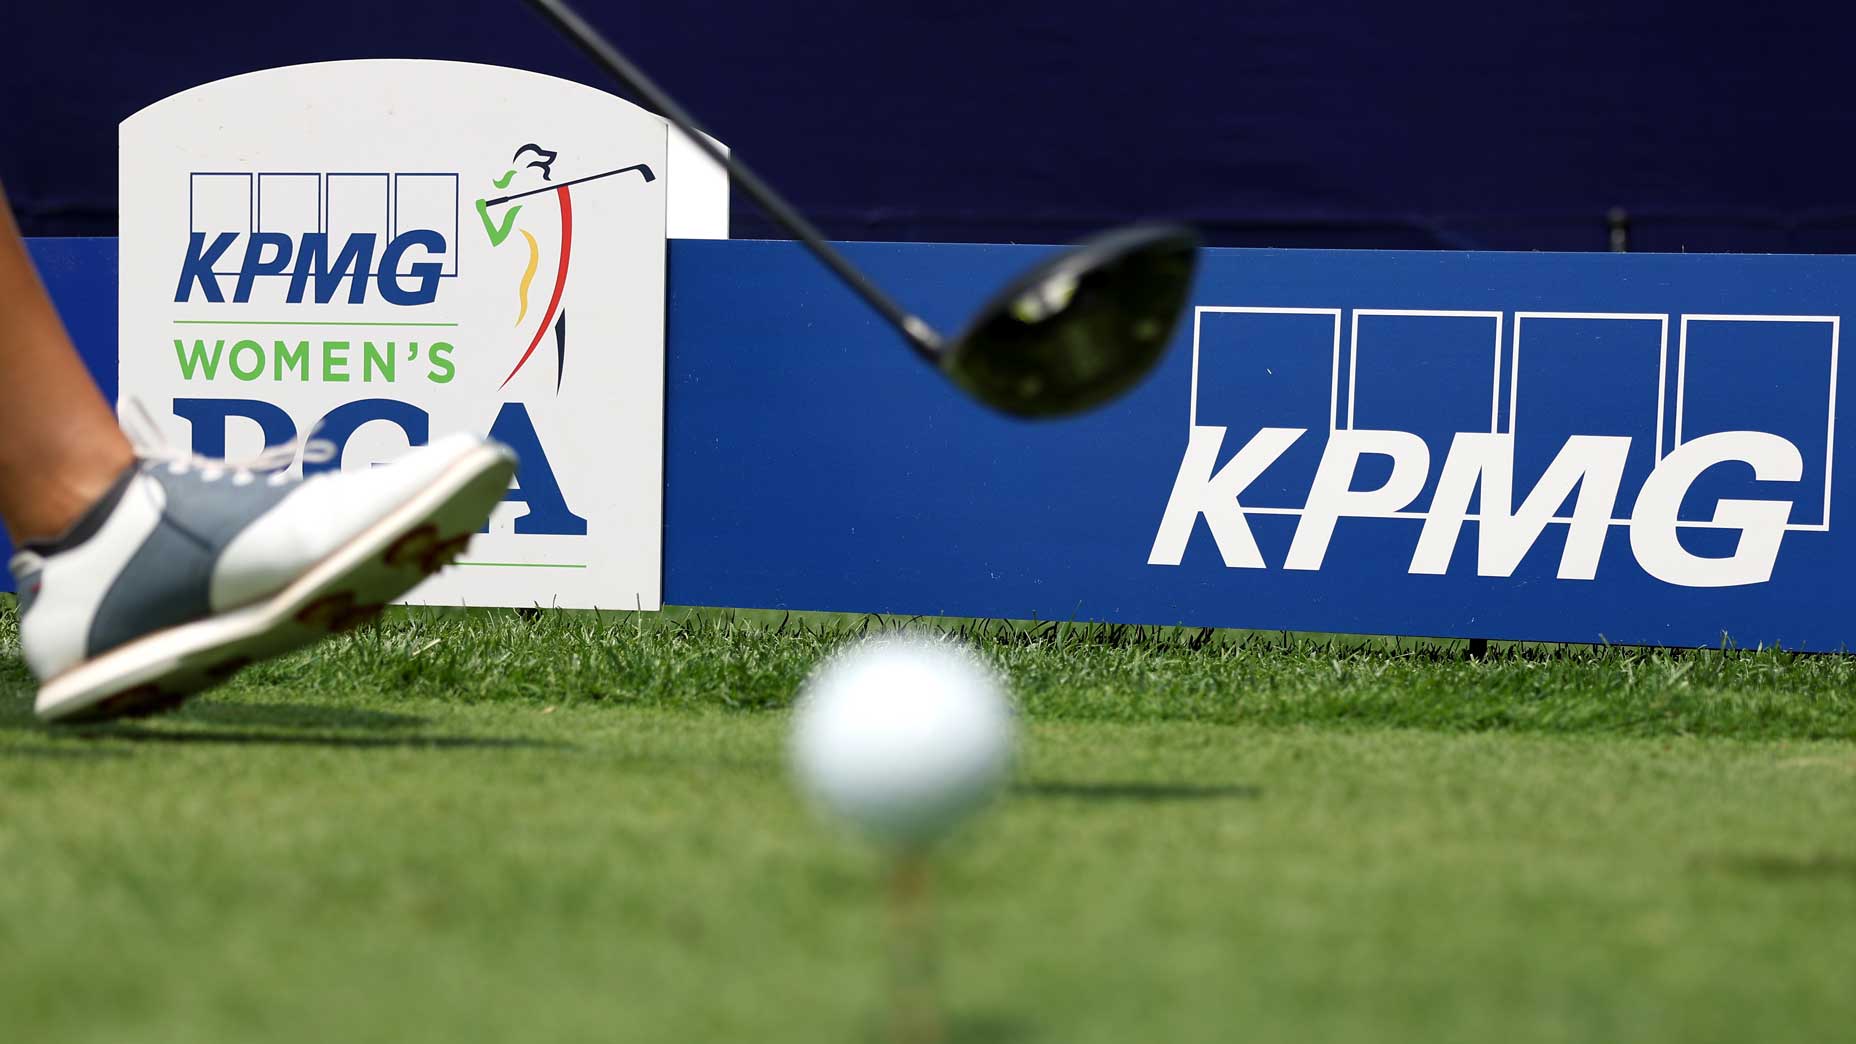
188 569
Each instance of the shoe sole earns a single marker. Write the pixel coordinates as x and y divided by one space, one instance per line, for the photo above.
159 671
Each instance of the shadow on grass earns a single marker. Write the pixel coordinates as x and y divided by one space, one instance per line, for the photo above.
61 752
989 1029
1136 791
307 715
262 724
134 733
1781 867
306 724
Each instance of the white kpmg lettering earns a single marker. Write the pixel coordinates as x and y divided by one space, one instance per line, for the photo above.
1199 492
1593 463
1589 469
1761 522
1333 495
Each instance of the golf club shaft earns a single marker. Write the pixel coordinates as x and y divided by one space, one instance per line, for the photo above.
919 334
643 171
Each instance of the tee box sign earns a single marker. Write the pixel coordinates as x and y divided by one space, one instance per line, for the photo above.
375 253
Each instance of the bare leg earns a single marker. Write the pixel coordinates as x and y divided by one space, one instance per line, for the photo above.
60 448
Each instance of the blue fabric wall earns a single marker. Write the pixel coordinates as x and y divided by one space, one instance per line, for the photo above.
1277 122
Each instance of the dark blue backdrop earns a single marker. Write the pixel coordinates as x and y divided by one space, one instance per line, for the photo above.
1282 122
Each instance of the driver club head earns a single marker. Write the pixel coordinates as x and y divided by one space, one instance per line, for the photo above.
1079 328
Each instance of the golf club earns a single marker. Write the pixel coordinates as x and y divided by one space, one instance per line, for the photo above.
1076 330
643 172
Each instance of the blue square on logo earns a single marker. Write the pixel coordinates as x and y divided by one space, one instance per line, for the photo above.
1751 373
1586 374
1258 368
1431 373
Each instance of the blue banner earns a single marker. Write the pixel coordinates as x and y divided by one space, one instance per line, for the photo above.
1563 447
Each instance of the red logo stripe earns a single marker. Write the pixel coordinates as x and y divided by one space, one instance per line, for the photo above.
560 281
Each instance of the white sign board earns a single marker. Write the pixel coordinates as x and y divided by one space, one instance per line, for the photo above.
380 252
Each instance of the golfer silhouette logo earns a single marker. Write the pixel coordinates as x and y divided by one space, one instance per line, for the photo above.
532 157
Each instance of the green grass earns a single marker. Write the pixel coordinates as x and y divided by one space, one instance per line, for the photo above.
485 827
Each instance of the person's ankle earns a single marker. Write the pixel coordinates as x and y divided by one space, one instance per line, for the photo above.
58 510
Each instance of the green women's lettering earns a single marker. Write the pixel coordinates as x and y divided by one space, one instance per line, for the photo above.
198 359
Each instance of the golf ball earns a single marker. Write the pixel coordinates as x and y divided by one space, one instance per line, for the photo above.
903 737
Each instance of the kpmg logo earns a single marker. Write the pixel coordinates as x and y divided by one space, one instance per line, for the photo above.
1477 438
312 236
299 259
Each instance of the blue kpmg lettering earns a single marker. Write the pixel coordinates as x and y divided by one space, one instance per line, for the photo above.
410 266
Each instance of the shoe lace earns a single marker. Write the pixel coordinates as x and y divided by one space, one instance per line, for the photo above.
273 461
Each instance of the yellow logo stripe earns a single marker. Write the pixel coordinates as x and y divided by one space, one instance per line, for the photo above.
534 258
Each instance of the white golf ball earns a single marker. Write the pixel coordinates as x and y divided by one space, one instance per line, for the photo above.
903 736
